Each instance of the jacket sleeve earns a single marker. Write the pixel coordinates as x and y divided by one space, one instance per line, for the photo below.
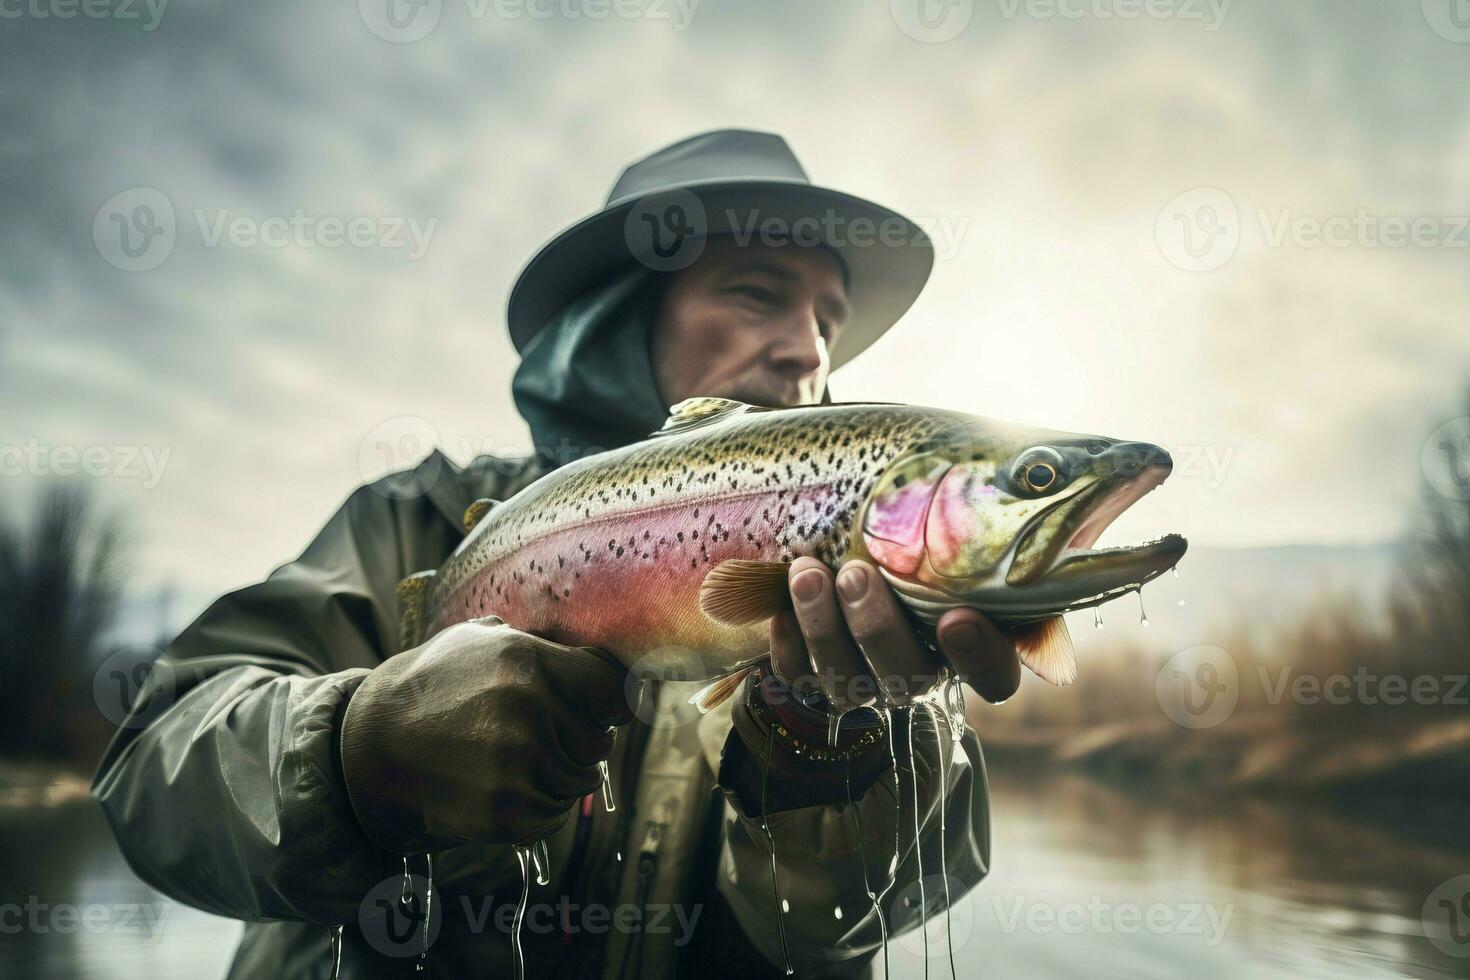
223 785
828 855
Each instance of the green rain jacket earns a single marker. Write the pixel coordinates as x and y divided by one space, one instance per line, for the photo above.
225 786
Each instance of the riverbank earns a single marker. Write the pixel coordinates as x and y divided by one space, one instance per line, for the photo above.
1253 751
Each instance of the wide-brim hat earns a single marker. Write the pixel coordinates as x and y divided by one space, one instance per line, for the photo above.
729 182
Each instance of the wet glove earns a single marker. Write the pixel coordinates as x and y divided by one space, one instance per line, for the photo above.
484 733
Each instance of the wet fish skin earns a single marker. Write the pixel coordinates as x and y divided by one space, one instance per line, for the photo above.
613 550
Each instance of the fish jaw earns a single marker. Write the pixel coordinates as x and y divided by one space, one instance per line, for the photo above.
1048 566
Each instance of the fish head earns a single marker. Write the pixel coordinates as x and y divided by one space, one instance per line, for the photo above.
1004 519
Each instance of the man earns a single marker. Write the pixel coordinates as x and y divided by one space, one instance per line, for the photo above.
287 758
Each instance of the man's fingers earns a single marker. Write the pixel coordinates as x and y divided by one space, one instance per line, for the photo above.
834 657
788 653
984 656
883 633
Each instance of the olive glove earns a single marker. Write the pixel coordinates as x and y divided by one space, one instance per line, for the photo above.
484 733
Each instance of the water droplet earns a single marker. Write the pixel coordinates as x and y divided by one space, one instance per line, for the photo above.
1096 618
785 906
542 861
1176 573
837 912
1142 615
834 725
1181 602
607 794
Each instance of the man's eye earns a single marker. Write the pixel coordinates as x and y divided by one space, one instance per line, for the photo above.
757 293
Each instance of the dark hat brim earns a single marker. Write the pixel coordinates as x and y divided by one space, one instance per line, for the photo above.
888 257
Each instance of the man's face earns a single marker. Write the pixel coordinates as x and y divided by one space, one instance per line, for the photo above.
752 323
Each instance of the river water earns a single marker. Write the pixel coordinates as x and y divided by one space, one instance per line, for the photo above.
1090 879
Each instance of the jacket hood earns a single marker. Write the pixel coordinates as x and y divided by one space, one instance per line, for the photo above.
586 382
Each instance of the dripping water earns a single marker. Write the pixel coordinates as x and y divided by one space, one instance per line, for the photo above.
607 793
523 856
944 765
428 913
336 952
542 861
1096 618
887 716
781 907
863 857
1142 614
918 846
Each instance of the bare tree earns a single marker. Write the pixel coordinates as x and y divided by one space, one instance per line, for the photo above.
59 593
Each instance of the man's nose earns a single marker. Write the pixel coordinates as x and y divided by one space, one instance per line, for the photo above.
799 345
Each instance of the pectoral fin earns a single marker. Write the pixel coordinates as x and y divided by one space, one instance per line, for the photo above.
708 698
1046 648
738 592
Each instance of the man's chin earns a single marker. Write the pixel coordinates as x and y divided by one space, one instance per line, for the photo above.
772 396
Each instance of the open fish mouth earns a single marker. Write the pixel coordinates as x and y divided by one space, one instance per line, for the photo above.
1055 566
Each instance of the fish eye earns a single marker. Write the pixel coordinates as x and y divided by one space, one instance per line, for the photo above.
1038 471
1040 475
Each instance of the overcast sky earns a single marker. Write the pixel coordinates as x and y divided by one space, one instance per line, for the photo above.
1059 152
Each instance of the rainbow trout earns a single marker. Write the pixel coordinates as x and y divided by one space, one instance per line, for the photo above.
672 553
